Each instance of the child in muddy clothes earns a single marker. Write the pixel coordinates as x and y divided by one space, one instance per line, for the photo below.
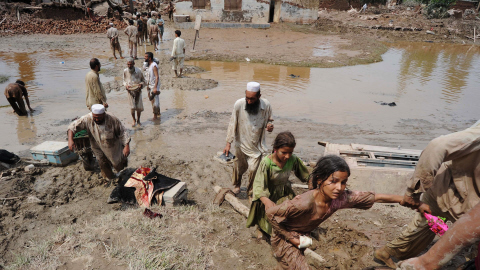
271 185
294 219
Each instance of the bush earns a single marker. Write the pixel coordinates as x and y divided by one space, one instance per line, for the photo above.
437 9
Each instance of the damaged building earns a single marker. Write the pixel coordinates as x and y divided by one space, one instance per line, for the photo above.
250 11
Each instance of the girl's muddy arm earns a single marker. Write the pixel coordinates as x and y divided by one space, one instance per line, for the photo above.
388 198
276 214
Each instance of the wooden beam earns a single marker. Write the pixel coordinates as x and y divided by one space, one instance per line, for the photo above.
237 205
242 209
300 186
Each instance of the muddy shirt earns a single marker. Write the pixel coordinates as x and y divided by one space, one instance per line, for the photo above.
133 79
15 90
248 130
299 216
449 169
95 93
131 32
109 138
112 33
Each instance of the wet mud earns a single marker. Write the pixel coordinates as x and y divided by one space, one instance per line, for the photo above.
66 207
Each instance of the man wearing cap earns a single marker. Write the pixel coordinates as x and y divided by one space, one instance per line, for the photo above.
250 117
131 31
108 138
95 93
134 81
14 93
112 35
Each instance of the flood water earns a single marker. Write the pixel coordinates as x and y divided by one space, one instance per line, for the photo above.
434 86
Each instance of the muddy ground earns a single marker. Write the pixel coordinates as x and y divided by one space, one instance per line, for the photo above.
57 218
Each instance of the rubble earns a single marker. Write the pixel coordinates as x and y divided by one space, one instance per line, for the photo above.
30 25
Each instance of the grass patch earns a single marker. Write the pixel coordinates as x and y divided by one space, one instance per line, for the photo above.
3 78
37 255
128 239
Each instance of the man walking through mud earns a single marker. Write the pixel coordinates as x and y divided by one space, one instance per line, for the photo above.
108 138
153 83
134 81
132 32
447 176
14 93
178 53
95 91
112 35
251 116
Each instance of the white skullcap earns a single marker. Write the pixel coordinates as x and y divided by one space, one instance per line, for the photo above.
98 109
253 86
111 24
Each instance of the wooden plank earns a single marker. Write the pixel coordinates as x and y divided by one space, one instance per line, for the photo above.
387 161
300 186
373 148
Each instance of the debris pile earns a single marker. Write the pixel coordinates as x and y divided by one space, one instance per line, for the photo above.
30 25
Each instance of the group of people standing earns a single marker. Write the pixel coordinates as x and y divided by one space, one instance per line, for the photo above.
445 183
141 28
108 137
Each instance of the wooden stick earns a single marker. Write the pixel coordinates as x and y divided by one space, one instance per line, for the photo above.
237 205
242 209
300 186
196 34
12 198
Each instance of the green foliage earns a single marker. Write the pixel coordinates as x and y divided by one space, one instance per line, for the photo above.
437 9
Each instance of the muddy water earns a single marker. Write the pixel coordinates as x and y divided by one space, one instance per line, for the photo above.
434 87
438 84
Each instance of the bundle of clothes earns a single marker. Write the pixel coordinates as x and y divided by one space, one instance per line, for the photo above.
143 187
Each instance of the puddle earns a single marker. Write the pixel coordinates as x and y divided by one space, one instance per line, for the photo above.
438 84
434 87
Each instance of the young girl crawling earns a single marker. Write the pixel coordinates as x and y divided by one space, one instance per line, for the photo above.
271 184
293 219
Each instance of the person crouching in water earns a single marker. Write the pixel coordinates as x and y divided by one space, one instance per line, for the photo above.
294 219
271 185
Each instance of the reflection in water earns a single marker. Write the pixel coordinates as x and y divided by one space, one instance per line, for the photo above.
272 77
425 80
449 65
435 84
456 74
26 129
